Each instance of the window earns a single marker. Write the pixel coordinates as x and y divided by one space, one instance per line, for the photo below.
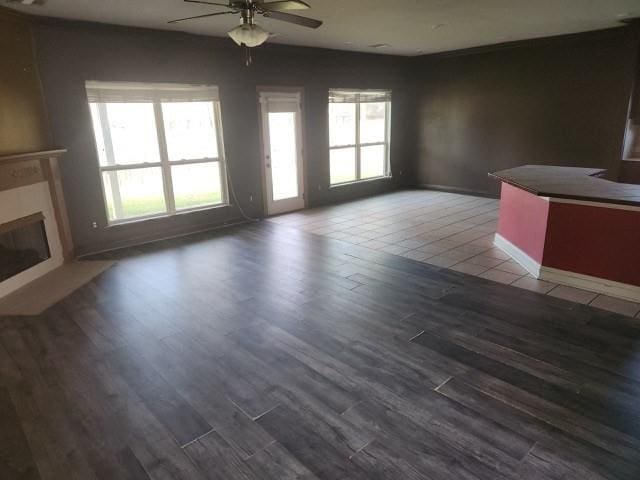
159 148
358 135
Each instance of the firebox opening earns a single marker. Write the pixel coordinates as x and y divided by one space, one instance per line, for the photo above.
23 244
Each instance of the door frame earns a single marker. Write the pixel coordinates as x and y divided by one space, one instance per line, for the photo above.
273 91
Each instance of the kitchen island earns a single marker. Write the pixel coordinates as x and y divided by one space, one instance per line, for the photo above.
571 226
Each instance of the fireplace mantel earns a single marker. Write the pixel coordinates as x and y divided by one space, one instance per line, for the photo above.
43 154
23 169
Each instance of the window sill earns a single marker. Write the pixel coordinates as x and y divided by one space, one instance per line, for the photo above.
358 182
119 223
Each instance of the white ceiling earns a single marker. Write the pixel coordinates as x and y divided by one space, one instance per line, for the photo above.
409 27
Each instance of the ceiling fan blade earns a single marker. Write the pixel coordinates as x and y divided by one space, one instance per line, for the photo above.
208 3
290 18
200 16
282 5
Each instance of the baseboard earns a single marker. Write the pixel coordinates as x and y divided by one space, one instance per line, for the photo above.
571 279
138 241
462 191
528 263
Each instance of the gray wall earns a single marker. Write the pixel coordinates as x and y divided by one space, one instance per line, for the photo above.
71 52
456 117
556 101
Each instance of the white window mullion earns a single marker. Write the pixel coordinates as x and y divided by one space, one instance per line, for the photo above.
194 161
358 169
387 138
129 166
372 144
164 159
343 147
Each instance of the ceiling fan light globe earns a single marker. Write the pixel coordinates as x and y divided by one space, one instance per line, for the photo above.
250 35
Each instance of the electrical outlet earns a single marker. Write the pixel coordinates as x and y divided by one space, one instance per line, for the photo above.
251 198
94 225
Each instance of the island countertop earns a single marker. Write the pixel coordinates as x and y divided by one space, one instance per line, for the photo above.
571 183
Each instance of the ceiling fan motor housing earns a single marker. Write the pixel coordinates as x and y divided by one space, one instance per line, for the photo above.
247 17
242 5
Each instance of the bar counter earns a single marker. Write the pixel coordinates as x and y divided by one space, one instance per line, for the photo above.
570 226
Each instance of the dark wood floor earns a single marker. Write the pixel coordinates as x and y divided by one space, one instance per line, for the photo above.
262 352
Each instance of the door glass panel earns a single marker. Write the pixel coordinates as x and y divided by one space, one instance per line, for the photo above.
342 165
284 164
196 185
372 161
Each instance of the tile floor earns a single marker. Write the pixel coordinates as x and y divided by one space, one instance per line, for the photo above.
443 229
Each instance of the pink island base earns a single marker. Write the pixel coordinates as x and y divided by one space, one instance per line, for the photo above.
586 244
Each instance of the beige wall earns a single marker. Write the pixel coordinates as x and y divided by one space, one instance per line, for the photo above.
23 123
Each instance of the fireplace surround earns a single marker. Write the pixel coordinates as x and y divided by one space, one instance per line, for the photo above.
35 237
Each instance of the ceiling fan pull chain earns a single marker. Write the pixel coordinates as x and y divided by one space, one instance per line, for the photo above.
248 60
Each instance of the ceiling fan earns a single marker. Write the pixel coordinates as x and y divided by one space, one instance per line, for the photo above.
248 33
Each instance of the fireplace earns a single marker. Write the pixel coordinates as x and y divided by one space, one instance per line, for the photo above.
23 244
35 237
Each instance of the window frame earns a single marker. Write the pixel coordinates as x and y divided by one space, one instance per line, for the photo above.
357 146
156 95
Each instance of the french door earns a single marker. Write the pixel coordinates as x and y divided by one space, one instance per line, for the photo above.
282 151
